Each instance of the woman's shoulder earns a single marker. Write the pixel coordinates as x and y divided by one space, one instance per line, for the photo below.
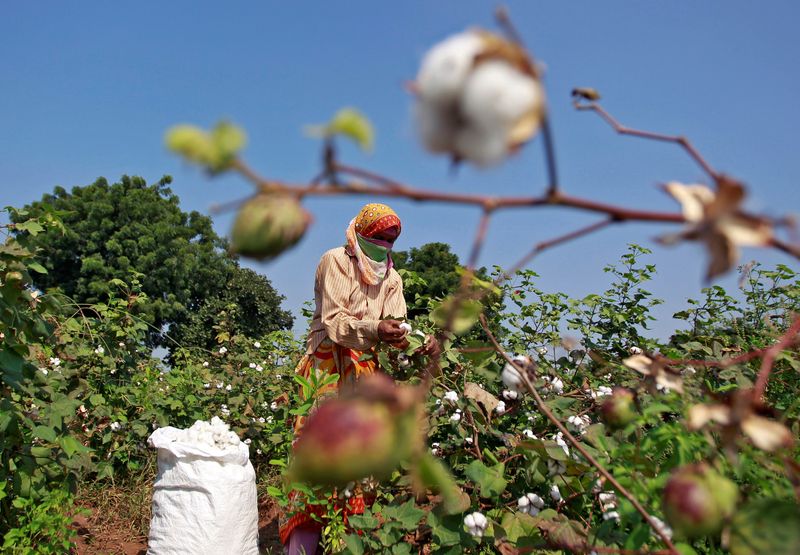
336 257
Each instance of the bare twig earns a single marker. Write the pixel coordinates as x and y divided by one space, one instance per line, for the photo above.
623 130
577 444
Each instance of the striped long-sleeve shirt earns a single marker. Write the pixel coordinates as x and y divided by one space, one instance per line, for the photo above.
347 309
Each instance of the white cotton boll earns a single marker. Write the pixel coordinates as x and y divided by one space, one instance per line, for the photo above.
455 417
611 515
529 434
497 95
451 396
480 520
469 521
523 503
482 146
607 497
405 326
555 493
436 126
446 66
500 408
535 500
510 394
403 361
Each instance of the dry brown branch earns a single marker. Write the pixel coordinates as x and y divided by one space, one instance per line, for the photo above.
623 130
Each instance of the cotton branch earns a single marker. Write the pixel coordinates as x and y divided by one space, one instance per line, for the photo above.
577 444
623 130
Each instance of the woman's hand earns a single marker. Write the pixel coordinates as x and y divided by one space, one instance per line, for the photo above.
431 348
391 332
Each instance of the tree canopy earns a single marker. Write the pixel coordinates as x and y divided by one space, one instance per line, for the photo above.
129 229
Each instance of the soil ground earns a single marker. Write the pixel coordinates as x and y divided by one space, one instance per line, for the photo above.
110 533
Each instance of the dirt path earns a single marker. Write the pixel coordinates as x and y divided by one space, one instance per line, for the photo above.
110 536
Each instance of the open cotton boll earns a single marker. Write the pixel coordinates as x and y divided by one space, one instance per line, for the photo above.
436 125
498 95
446 66
482 146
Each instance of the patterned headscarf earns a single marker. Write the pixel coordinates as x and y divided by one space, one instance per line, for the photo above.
371 220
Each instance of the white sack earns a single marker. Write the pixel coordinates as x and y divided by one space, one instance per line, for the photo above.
204 499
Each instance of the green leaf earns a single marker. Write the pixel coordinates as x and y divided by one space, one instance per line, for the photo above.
462 319
407 514
446 531
766 526
363 522
490 480
353 544
46 433
638 536
36 267
433 474
518 525
350 123
70 446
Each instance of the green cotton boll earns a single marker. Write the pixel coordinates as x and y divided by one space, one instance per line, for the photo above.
267 225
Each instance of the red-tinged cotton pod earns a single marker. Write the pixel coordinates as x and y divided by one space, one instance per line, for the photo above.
619 409
698 500
346 440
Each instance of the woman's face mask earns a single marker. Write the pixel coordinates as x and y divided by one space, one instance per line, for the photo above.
376 249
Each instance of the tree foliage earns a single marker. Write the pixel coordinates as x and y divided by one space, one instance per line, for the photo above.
129 228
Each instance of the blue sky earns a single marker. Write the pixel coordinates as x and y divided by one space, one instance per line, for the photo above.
89 88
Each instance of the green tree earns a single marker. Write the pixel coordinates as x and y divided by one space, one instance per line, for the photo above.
435 264
131 228
246 305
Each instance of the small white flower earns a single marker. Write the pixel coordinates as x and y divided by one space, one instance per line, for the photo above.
259 368
257 345
55 362
252 365
500 408
451 396
220 385
262 419
100 350
223 350
205 364
206 385
555 493
228 387
456 416
115 426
